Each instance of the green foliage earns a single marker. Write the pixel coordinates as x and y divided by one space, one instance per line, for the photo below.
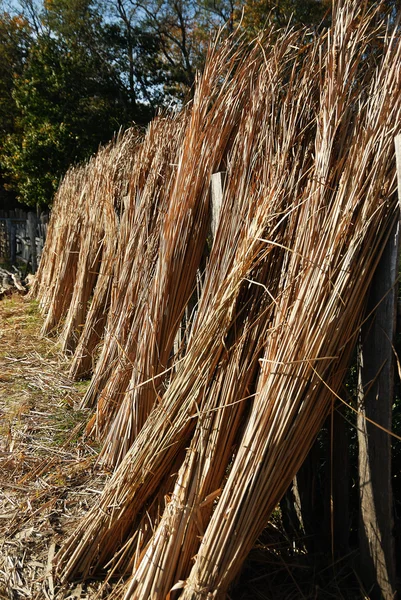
68 96
65 110
72 72
259 13
68 99
14 42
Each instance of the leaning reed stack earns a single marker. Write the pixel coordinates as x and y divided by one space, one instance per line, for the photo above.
235 256
83 225
330 266
55 251
88 257
42 285
106 181
201 478
205 443
58 298
215 114
151 178
114 176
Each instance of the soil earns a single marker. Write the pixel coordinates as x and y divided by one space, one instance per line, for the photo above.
49 479
48 475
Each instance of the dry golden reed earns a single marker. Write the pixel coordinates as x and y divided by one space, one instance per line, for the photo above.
206 427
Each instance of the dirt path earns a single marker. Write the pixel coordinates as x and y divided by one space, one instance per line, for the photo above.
47 474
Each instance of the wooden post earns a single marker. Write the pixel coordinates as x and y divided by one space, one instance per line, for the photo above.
339 484
216 188
32 239
39 248
13 244
8 237
11 241
376 392
397 143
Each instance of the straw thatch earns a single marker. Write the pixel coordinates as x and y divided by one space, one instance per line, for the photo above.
134 247
140 243
208 428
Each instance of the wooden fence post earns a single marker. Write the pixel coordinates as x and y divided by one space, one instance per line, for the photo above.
397 143
11 241
216 188
8 237
376 393
32 238
13 244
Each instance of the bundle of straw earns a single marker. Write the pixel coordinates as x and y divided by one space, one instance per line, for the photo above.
115 177
56 275
151 178
330 267
215 113
235 256
42 287
75 247
306 136
228 397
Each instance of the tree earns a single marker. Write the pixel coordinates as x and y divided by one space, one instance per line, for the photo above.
84 68
14 43
70 97
65 110
259 13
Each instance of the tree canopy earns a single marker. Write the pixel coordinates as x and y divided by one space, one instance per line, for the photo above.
73 72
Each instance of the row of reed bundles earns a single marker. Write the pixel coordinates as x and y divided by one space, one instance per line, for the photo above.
207 403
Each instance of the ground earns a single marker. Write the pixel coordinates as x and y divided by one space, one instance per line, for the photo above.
49 479
48 476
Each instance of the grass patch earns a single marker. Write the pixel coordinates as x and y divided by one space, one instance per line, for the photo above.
47 468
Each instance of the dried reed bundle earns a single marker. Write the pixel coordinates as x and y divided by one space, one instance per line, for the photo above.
269 163
114 178
215 113
151 178
106 180
93 326
341 231
88 257
42 283
81 243
169 425
307 208
63 249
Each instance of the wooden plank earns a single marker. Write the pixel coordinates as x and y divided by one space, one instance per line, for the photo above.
13 244
397 144
217 189
339 483
32 237
8 237
376 393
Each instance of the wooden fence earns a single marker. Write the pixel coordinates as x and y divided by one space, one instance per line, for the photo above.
22 237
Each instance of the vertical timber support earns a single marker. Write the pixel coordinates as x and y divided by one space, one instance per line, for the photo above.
11 241
339 478
13 244
216 192
217 181
32 239
8 237
376 389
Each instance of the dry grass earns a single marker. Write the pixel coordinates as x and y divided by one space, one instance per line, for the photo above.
47 475
48 480
207 441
